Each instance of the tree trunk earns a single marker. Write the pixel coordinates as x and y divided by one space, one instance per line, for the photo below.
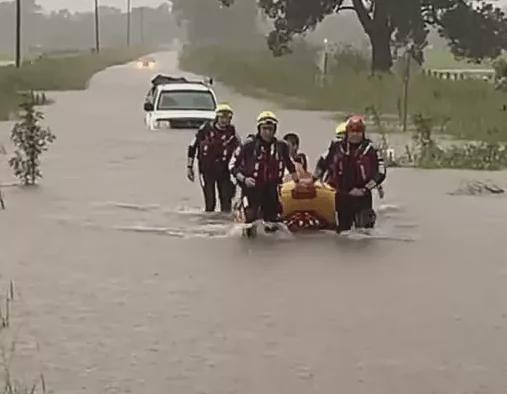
377 26
381 56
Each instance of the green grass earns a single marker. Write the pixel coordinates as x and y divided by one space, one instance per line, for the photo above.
442 59
57 73
473 107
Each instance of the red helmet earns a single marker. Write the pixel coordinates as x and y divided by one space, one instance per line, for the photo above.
356 123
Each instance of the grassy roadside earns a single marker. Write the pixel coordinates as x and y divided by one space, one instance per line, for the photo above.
57 73
464 109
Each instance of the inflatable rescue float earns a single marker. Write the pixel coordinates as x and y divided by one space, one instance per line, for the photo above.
308 206
304 205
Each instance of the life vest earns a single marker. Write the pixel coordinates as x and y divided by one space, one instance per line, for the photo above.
351 168
217 146
266 164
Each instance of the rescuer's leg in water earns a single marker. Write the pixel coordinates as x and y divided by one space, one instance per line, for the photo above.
208 184
226 191
344 213
252 200
271 207
251 207
357 211
354 211
263 203
364 215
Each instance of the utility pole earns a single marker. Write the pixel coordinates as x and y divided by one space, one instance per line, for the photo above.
128 23
97 39
141 17
18 33
408 58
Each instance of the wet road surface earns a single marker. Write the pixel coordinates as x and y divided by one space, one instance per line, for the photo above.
127 287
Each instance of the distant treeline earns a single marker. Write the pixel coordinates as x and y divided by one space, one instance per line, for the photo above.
65 30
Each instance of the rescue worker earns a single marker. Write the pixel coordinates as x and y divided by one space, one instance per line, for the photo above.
214 144
259 165
340 136
341 131
356 168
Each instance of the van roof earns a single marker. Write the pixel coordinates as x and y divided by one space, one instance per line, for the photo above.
184 86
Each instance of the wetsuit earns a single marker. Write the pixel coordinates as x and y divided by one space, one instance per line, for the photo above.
353 166
265 163
214 148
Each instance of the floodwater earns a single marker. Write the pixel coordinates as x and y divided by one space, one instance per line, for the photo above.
126 287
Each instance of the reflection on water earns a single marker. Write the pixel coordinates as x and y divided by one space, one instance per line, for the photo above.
192 222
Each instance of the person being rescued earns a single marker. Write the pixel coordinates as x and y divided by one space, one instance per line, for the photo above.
300 160
259 165
356 168
214 144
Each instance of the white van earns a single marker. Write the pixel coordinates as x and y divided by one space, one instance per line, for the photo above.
177 103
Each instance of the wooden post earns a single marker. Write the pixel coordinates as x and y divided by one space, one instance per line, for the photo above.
408 56
128 23
141 22
97 39
18 33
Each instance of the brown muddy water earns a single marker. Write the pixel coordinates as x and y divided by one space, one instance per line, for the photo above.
126 287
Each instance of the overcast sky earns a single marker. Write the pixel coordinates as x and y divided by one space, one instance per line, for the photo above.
80 5
86 5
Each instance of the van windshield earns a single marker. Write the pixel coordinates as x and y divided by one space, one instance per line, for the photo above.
170 100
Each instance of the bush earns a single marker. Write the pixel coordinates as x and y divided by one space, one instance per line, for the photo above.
428 154
30 140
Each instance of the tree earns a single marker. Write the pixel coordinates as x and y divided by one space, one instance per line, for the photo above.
474 28
30 140
500 67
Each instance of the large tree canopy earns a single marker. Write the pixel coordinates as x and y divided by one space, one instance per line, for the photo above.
474 28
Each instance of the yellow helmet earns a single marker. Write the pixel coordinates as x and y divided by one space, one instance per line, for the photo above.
267 117
341 129
223 109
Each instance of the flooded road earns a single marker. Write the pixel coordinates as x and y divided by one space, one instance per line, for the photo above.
127 288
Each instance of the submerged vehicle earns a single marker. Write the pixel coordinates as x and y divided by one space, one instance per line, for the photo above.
178 103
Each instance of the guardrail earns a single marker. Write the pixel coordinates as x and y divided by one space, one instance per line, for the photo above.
461 74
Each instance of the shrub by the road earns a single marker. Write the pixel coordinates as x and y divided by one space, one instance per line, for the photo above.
57 73
469 109
31 140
